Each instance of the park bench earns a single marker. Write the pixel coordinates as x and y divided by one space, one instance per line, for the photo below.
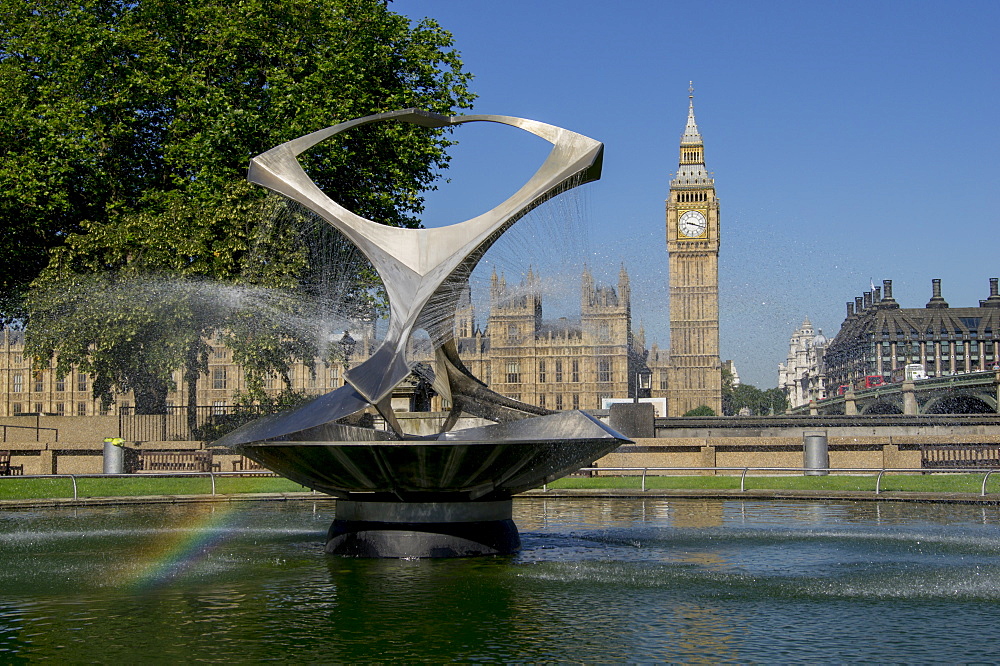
959 455
6 469
176 461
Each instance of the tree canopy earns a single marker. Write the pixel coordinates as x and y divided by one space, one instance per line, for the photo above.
125 132
700 410
747 398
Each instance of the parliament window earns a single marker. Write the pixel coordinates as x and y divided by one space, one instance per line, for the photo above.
81 382
541 373
604 370
559 371
576 371
17 383
219 378
513 372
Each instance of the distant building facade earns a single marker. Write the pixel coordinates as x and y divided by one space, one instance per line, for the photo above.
730 367
878 337
803 374
559 364
28 389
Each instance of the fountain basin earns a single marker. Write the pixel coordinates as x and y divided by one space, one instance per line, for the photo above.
446 495
485 463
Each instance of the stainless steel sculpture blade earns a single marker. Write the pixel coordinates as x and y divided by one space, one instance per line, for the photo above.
449 494
415 263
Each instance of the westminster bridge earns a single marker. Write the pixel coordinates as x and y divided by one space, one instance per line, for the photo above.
971 393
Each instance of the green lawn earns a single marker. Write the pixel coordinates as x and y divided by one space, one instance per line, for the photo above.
30 488
13 487
938 483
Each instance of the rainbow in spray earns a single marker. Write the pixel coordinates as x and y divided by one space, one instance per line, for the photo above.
183 545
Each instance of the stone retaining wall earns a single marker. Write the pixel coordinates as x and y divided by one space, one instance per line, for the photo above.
868 452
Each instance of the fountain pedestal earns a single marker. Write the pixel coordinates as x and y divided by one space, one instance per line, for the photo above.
423 529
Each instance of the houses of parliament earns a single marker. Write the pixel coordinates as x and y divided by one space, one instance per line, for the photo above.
557 364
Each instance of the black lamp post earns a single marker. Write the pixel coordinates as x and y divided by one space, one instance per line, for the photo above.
347 344
642 383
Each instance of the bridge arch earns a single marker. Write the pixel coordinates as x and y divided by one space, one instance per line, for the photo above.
882 405
961 403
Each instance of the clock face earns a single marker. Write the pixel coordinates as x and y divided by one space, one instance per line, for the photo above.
692 224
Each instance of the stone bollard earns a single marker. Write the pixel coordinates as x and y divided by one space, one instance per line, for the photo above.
114 455
816 456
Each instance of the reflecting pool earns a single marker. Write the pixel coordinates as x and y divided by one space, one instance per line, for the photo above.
597 580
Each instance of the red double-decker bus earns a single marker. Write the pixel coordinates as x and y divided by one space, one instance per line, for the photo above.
869 381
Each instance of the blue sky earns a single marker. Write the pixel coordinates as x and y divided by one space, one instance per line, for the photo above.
850 141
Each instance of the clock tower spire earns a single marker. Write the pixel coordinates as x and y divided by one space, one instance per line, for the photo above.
694 377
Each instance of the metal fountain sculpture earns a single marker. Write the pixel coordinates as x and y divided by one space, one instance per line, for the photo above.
447 494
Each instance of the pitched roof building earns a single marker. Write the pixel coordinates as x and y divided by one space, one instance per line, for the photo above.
878 337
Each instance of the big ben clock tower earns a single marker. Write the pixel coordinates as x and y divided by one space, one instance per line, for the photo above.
695 374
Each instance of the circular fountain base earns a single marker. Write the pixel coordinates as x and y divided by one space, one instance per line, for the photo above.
422 529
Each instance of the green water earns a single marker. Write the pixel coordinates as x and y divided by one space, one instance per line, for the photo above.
598 580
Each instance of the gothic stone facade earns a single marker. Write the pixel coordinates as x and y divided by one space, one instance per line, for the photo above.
558 364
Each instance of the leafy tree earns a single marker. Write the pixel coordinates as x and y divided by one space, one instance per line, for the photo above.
776 400
700 410
125 132
757 402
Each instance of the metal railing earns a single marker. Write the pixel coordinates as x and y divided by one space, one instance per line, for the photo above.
200 423
801 470
644 472
37 429
183 423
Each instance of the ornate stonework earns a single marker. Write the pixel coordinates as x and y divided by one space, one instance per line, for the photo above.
803 374
693 236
